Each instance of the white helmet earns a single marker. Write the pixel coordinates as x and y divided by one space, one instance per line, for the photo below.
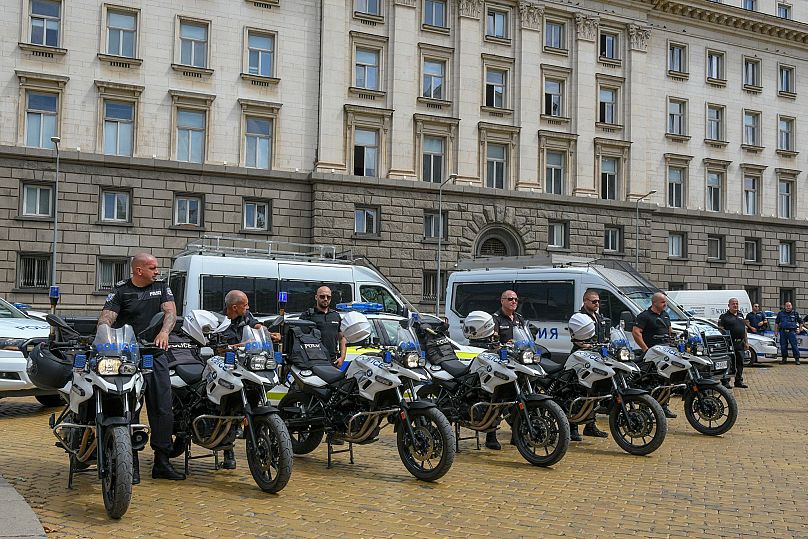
581 326
478 325
197 323
355 326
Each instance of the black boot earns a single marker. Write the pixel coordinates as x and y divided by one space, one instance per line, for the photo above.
229 460
591 430
739 383
163 469
668 413
491 441
575 436
135 469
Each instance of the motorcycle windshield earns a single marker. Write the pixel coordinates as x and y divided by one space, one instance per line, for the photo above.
619 339
522 340
256 341
120 342
407 341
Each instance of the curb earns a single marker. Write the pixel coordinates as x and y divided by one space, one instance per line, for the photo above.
17 519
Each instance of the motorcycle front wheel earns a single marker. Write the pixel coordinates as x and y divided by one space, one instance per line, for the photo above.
551 433
271 461
712 410
116 483
430 454
642 430
291 406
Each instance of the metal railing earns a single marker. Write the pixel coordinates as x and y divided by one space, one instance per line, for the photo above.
266 249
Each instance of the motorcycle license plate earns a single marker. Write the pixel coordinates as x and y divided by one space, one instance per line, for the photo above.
720 365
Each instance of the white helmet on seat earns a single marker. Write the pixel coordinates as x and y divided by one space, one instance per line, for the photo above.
478 325
355 327
582 327
198 322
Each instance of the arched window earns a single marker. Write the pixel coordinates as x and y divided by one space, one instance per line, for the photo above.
492 247
498 241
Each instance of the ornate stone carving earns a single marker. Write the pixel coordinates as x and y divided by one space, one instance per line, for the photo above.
638 37
531 14
587 26
469 8
409 3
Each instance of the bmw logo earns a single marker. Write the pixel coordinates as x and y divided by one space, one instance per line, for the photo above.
369 373
587 366
489 368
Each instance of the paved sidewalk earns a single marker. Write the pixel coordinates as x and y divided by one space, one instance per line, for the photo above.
17 519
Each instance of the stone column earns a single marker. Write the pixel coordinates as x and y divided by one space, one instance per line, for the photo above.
585 59
404 86
468 89
530 93
639 177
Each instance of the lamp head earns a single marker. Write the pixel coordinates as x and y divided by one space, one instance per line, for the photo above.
56 140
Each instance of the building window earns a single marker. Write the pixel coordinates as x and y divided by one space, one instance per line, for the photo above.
676 245
754 294
258 142
673 286
554 173
496 23
677 58
435 13
557 235
676 176
496 160
188 211
36 200
786 251
785 80
33 271
115 206
434 77
495 88
119 127
608 178
785 134
784 11
785 190
261 54
366 221
609 46
715 65
677 117
371 7
367 69
110 272
751 5
715 247
256 215
434 158
715 122
750 195
751 250
613 239
434 226
366 153
194 44
554 97
714 188
751 128
555 35
430 288
191 135
41 119
121 33
45 22
607 105
751 72
786 296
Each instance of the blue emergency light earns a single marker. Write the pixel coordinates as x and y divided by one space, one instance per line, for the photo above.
283 297
229 359
387 356
148 361
360 307
79 361
278 358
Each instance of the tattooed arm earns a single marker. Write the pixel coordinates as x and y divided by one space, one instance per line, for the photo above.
170 311
107 317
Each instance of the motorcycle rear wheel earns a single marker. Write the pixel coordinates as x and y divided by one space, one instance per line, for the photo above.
116 485
303 441
552 430
715 405
646 423
434 441
273 453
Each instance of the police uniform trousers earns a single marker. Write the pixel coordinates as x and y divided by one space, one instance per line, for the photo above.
789 337
158 405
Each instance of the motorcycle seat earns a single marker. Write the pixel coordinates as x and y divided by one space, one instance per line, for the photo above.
190 373
551 367
455 367
328 373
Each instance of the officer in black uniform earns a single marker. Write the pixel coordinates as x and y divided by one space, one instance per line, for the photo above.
734 322
653 325
135 301
787 324
328 322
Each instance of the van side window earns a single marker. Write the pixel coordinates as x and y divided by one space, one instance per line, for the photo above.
176 282
262 293
378 294
301 294
546 301
611 306
478 297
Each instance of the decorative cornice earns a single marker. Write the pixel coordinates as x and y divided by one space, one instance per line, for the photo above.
531 14
638 37
469 8
587 26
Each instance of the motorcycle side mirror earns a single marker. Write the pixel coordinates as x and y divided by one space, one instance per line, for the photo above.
628 320
206 352
534 330
405 324
375 341
156 322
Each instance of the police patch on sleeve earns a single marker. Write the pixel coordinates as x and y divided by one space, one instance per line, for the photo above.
110 296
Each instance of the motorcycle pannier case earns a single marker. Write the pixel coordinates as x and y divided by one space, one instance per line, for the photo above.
47 370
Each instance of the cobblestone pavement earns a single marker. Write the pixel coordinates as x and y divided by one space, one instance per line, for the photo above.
752 482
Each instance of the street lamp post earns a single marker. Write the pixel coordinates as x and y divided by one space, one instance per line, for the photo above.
54 291
637 229
440 240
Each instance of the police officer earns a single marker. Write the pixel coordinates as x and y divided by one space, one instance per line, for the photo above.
653 325
328 322
787 324
756 321
135 301
590 306
733 321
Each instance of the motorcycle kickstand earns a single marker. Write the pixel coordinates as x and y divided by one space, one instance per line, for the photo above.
216 464
70 473
457 437
187 457
332 451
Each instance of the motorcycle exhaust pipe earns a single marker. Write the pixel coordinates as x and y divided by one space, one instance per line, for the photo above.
139 439
583 413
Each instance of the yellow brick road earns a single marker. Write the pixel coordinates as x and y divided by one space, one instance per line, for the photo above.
752 483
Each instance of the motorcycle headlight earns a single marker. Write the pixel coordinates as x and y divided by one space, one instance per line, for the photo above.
128 369
109 366
257 363
527 357
411 360
699 349
624 354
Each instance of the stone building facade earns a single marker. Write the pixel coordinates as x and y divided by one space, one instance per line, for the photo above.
335 121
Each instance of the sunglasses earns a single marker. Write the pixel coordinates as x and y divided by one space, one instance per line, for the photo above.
323 296
596 301
511 299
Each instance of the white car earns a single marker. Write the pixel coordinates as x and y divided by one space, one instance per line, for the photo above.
763 346
16 332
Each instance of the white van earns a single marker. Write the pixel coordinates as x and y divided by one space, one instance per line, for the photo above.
710 304
210 267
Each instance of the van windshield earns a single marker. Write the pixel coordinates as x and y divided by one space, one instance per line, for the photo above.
643 299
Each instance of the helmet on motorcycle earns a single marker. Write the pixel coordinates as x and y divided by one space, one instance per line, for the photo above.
197 323
478 325
355 326
47 370
581 326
